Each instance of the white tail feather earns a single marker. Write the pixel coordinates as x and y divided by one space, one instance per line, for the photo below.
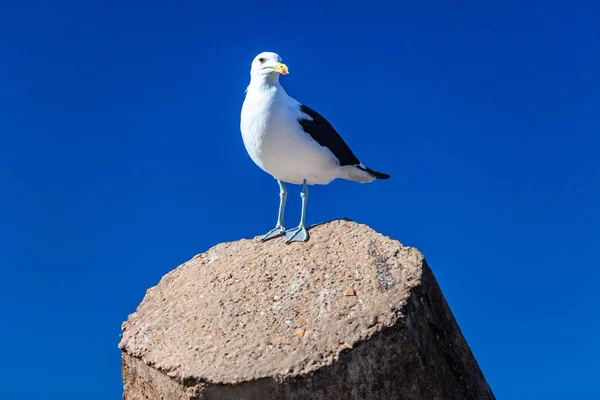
352 173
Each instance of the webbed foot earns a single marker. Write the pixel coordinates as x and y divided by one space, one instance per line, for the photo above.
278 230
298 234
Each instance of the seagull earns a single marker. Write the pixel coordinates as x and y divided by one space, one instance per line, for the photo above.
292 142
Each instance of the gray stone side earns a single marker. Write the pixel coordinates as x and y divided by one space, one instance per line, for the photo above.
141 382
443 350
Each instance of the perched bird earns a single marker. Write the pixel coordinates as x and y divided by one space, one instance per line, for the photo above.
292 142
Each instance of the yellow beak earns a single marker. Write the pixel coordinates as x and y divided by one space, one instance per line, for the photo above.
280 67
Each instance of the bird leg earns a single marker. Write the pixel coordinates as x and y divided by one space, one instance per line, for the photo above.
280 227
299 234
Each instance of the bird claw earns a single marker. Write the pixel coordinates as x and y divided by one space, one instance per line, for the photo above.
278 230
299 234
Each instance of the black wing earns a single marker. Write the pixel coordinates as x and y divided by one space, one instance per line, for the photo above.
321 130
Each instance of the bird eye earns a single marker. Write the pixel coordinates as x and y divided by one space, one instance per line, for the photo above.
262 60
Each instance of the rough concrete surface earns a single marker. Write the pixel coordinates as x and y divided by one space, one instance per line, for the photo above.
350 314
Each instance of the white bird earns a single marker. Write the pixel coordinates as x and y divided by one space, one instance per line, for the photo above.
292 142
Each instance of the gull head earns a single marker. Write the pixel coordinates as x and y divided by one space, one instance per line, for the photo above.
267 66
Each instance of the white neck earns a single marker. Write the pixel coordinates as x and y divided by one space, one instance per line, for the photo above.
264 82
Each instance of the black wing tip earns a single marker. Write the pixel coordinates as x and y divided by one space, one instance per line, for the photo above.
378 175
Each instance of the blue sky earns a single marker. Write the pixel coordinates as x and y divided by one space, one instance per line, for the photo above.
121 157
